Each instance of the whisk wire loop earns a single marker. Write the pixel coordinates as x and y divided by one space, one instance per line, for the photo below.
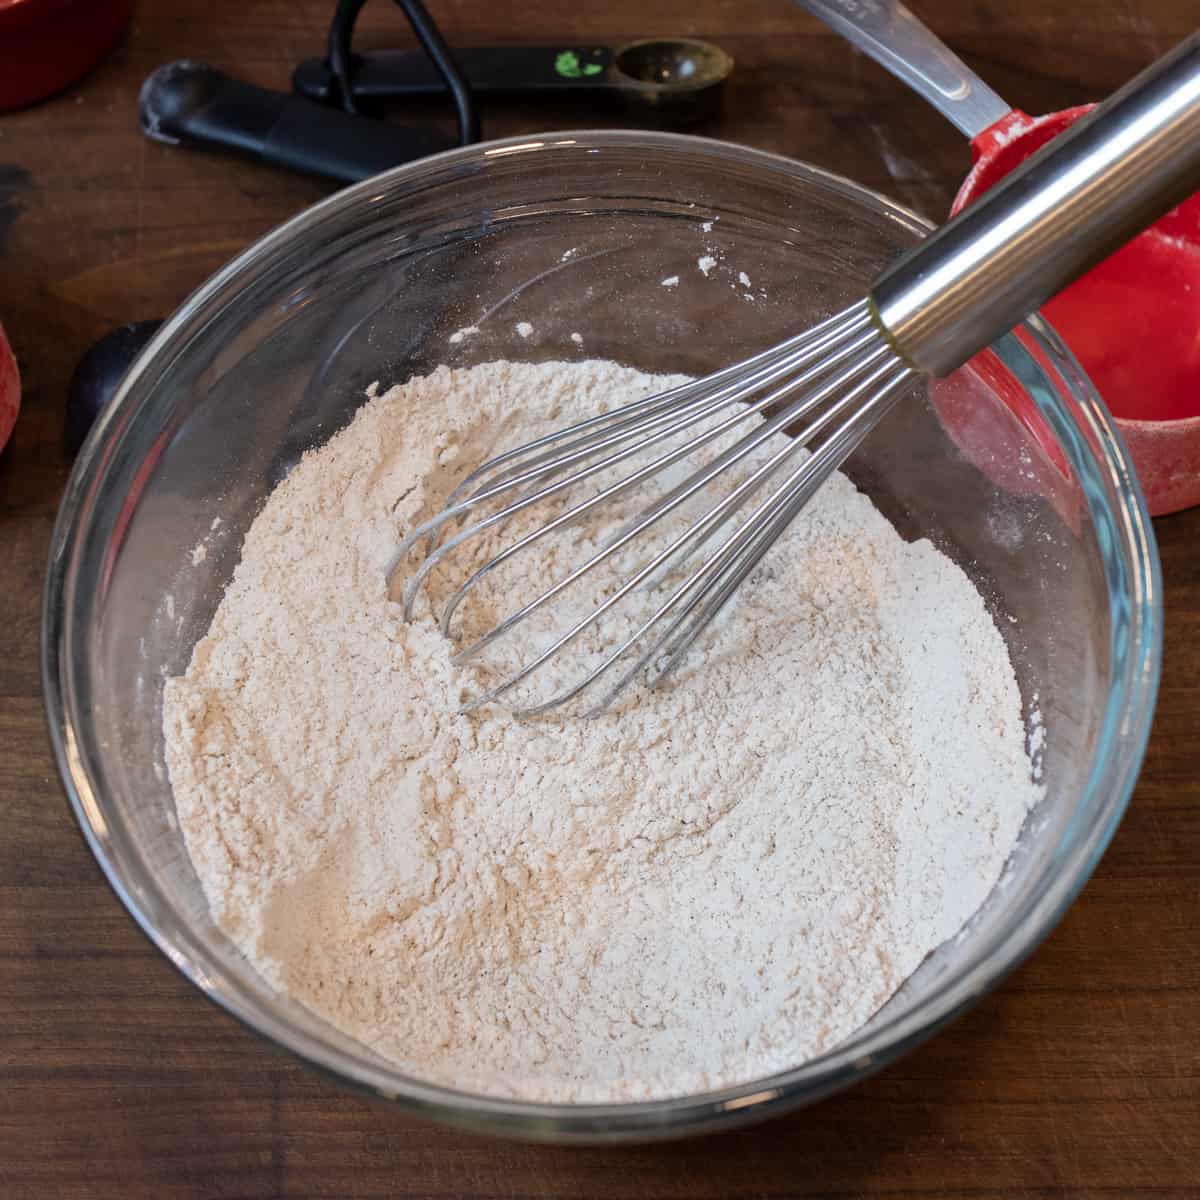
820 392
743 549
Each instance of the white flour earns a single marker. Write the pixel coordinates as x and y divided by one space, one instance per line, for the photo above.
722 880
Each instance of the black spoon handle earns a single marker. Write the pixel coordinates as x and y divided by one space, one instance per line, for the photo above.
192 102
489 69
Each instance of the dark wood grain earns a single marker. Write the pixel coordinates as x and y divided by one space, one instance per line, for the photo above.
1079 1078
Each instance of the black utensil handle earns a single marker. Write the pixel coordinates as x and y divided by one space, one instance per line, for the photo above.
430 37
339 90
192 102
511 70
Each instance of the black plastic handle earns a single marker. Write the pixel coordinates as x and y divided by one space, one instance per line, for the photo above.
386 74
192 102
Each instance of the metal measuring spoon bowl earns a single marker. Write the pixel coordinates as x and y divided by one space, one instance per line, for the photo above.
674 81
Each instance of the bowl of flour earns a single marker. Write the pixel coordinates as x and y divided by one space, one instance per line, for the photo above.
871 791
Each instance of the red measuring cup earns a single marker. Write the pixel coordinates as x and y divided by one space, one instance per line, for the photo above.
1133 321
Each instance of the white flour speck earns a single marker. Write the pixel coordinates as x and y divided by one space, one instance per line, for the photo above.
671 281
523 328
462 334
706 262
577 338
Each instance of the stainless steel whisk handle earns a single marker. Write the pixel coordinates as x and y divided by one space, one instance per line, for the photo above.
1089 191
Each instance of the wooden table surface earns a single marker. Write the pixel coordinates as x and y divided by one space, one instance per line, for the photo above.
1078 1078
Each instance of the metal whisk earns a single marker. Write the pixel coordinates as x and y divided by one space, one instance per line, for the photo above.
793 413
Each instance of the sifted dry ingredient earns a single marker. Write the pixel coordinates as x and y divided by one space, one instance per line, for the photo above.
723 879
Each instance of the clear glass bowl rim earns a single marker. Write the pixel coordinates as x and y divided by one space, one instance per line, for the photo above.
1128 715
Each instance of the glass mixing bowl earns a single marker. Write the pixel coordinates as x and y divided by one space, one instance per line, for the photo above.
575 234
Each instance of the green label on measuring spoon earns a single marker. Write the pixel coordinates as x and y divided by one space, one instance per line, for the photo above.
567 64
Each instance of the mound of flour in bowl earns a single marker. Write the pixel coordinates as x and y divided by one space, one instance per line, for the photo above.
718 881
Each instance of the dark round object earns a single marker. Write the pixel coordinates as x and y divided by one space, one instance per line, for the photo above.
676 81
100 370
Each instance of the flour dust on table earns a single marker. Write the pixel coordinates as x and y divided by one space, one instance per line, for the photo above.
716 881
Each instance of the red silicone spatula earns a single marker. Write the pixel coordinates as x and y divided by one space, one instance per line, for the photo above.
1133 321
